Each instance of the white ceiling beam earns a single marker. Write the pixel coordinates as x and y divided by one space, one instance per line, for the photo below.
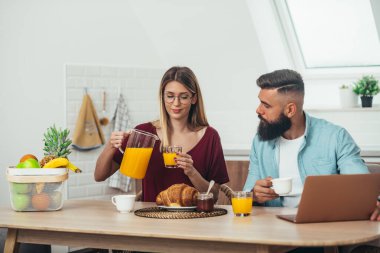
376 14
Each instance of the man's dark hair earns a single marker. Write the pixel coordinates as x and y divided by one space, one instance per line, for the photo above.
284 80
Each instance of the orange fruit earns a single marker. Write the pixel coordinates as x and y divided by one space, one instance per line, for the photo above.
41 201
27 156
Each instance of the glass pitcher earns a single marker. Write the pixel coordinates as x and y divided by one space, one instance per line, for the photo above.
137 153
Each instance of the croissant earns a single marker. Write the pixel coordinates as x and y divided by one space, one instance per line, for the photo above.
178 195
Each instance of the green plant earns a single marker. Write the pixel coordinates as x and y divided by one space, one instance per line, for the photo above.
367 86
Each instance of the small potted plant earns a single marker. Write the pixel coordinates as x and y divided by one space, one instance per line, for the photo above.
348 98
366 88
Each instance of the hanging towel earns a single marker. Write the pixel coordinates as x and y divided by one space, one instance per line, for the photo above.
121 122
88 133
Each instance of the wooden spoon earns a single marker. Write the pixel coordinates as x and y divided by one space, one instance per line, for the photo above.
104 120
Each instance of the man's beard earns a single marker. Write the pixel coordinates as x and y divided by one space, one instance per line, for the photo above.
271 130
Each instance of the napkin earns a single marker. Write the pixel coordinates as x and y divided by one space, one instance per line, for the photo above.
87 134
121 122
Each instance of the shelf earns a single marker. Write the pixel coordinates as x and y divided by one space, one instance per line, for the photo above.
366 151
375 108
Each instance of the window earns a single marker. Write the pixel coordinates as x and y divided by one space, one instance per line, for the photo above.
333 33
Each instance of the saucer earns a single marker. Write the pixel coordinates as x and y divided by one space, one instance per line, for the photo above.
290 194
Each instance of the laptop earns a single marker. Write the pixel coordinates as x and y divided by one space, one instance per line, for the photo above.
337 198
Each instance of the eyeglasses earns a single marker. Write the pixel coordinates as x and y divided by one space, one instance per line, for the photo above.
184 98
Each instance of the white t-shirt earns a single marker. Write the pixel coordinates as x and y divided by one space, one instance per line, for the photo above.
288 167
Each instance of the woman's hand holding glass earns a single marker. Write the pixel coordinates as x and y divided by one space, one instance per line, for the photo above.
185 162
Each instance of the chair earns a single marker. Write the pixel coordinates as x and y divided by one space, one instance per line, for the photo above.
237 172
373 167
227 192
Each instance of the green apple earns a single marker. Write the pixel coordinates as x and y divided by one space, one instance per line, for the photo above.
20 201
29 163
21 188
56 199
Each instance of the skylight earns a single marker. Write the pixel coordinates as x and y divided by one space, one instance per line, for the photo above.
335 33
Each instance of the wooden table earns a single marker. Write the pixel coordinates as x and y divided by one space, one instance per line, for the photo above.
90 223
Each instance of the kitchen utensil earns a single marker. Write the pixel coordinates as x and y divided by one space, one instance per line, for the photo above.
212 182
104 120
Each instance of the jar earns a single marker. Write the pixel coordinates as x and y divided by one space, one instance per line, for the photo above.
205 202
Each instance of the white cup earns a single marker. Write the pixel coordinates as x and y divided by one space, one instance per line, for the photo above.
124 203
282 185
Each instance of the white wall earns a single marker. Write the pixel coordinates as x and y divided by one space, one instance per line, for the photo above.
36 39
218 41
228 43
39 37
139 88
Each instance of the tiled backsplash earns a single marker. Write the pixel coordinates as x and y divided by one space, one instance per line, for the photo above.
139 87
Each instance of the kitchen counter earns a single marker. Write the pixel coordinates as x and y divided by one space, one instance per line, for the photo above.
372 152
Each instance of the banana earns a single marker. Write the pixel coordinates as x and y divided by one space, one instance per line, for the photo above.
56 163
73 168
62 163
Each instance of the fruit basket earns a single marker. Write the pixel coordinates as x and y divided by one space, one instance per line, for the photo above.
37 189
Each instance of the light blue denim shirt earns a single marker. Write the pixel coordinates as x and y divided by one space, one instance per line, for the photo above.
326 149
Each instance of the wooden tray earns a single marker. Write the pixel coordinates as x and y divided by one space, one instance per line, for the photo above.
159 213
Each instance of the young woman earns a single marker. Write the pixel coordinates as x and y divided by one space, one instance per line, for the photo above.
183 123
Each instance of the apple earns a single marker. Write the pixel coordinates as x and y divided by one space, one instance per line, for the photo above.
29 163
27 156
21 187
20 201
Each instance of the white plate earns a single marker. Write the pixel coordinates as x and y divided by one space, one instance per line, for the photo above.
290 194
178 208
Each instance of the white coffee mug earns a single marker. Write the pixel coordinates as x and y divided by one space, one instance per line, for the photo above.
124 203
282 185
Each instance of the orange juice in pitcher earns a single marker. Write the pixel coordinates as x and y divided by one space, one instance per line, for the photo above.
135 162
137 153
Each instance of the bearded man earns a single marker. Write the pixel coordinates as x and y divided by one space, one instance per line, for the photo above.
291 143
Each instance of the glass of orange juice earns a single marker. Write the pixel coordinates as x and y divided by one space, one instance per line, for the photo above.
242 203
169 153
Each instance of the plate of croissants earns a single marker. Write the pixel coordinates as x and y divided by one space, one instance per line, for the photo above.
178 197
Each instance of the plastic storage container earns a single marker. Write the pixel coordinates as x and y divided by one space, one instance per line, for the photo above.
37 189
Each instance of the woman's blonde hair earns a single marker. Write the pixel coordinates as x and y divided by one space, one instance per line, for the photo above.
197 117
